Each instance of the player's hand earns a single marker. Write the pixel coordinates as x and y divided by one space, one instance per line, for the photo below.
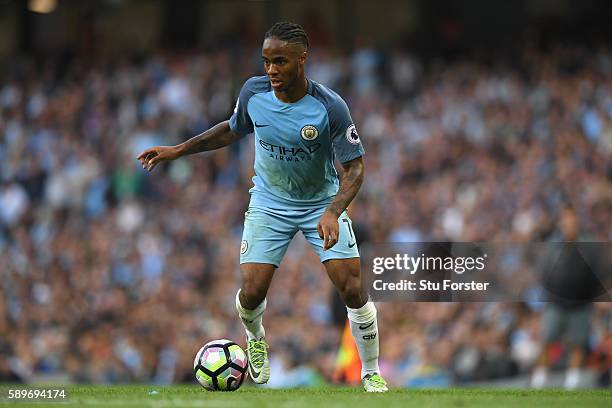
154 155
328 229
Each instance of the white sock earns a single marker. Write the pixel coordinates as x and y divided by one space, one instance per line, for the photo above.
539 377
365 332
572 379
251 319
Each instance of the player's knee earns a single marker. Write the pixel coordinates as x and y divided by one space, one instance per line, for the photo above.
251 295
351 293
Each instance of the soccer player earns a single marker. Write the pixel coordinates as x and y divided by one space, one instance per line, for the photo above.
299 127
569 281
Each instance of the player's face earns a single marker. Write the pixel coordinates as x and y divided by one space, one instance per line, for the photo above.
569 224
283 62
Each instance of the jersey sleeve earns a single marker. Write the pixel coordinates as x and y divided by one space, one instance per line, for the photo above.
344 136
240 121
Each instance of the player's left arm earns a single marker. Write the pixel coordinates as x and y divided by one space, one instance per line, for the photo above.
349 151
350 183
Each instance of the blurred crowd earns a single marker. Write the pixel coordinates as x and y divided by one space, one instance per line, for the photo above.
111 274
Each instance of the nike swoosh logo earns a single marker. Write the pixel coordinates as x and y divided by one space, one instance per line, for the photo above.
260 125
254 374
351 245
363 327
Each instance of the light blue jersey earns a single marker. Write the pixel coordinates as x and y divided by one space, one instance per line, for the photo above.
295 144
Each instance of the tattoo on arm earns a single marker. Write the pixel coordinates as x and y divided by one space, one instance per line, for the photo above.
216 137
350 182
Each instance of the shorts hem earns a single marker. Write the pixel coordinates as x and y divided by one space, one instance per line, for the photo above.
259 260
339 256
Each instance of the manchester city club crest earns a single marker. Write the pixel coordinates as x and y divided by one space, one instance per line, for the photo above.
309 132
244 245
351 135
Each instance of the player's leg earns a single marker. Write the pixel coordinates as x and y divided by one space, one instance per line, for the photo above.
552 324
251 305
265 239
344 269
346 277
251 297
577 333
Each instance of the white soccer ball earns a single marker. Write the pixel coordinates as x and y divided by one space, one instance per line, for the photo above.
220 365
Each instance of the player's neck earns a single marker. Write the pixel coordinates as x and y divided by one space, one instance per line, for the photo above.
295 93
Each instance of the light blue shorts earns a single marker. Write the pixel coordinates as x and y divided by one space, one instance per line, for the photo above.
267 234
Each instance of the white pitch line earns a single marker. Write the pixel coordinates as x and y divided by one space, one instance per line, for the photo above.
151 402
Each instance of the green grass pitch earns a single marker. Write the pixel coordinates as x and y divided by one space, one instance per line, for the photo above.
194 396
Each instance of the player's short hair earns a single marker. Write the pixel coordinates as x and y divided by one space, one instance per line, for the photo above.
290 32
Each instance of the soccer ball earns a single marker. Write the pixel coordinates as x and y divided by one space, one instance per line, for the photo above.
221 365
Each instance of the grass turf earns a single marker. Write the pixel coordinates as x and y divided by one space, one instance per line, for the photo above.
194 396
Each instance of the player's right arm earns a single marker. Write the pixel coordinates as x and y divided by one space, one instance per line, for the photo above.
223 134
214 138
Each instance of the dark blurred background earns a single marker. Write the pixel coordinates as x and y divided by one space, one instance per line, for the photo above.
481 120
429 28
